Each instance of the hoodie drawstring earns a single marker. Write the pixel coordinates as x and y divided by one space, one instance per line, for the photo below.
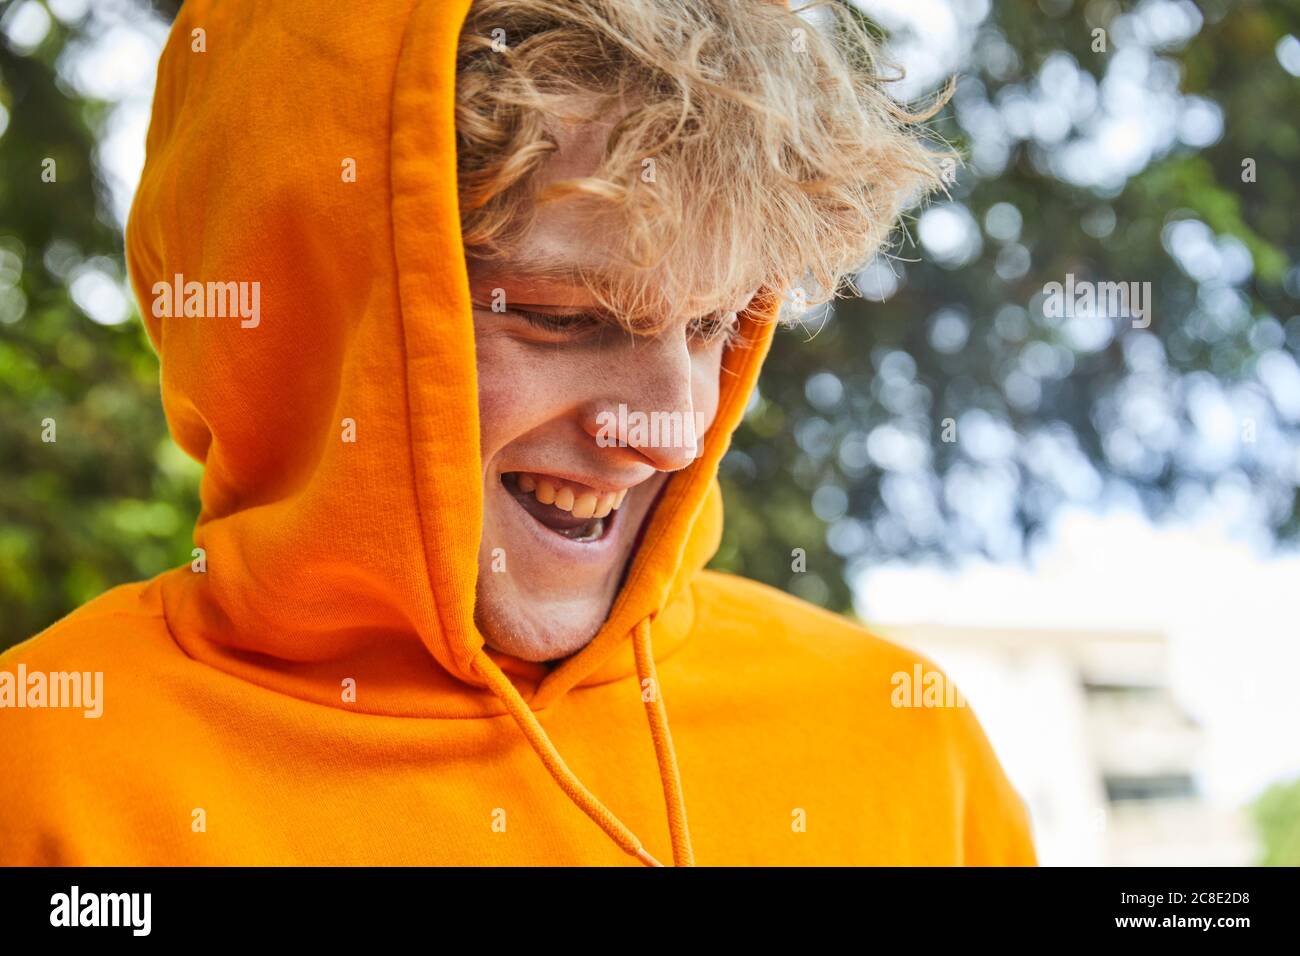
683 855
568 781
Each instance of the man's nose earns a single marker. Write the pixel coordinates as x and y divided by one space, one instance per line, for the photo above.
645 405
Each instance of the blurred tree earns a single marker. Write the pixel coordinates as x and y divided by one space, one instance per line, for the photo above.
92 493
944 413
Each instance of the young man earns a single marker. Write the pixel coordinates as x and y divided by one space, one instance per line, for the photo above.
459 308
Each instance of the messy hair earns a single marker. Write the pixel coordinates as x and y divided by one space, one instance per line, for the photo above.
748 146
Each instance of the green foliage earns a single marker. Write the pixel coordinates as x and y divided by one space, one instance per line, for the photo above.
110 499
895 379
1277 817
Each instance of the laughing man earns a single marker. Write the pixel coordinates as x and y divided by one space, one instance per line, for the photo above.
437 613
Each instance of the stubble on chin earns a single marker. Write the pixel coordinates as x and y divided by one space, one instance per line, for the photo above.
519 636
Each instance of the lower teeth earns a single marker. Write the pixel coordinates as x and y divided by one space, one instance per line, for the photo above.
585 532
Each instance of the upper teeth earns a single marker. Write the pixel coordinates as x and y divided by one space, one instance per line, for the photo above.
583 503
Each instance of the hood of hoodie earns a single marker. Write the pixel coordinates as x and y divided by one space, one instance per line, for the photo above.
307 153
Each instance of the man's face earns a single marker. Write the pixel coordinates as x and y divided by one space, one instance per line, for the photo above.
565 492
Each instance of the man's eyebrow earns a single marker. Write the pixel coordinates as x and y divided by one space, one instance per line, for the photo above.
548 267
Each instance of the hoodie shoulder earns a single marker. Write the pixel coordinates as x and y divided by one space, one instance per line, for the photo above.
872 699
76 737
741 607
100 626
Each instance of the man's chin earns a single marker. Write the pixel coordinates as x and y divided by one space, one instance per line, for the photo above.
532 639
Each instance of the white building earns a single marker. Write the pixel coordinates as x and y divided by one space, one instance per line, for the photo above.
1089 733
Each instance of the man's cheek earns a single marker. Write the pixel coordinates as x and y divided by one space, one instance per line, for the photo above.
498 407
510 406
705 387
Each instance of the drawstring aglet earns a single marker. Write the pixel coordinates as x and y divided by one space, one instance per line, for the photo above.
644 856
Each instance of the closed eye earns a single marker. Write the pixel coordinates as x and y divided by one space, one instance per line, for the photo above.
572 322
705 330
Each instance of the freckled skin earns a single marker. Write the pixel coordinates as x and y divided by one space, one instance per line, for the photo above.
540 392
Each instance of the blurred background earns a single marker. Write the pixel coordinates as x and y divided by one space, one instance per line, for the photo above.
1092 527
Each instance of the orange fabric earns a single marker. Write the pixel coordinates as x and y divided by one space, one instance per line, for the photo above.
228 734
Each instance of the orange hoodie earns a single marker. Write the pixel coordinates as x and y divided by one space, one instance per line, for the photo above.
312 689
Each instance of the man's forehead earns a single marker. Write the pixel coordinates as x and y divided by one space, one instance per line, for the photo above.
544 278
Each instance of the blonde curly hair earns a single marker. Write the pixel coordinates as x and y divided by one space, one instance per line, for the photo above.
749 145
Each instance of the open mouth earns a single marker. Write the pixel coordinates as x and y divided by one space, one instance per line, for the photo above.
574 512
